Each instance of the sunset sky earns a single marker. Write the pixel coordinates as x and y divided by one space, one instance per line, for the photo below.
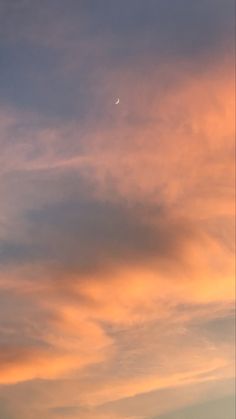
117 220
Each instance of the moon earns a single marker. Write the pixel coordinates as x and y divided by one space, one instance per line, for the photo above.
117 101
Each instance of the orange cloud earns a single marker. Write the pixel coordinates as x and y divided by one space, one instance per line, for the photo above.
170 152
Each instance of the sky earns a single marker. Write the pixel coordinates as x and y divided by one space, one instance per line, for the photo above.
117 220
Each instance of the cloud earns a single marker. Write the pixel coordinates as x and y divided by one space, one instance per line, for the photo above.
116 228
58 54
213 409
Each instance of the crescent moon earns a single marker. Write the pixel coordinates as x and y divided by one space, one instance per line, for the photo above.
117 101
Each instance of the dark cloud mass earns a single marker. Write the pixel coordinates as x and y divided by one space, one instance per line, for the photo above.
91 235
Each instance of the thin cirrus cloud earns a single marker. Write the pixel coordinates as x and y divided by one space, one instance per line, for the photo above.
117 267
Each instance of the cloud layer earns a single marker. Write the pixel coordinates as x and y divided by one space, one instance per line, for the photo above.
116 224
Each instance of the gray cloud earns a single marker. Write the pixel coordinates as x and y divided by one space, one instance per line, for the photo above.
91 235
214 409
5 412
55 54
157 23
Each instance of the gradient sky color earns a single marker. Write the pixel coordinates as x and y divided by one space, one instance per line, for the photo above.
117 221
